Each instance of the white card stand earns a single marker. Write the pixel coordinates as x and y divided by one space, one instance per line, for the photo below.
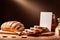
46 19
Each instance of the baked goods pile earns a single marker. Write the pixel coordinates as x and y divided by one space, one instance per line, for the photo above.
35 30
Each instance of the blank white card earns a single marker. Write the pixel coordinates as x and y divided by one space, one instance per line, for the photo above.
46 19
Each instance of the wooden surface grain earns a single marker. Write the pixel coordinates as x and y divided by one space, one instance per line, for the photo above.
9 37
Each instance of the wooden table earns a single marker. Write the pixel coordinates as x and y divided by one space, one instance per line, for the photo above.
29 37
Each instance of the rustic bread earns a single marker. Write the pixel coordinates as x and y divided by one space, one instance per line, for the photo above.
12 26
35 30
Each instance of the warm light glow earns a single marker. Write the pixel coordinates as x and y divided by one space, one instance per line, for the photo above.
5 35
13 35
56 32
24 35
18 32
44 26
32 8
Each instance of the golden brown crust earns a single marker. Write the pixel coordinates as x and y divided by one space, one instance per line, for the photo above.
35 30
11 26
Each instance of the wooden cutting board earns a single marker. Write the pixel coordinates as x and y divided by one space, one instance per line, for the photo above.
6 32
47 34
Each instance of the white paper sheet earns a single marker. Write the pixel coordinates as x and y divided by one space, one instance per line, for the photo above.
46 19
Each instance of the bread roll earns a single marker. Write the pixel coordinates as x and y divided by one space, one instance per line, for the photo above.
35 30
28 32
12 26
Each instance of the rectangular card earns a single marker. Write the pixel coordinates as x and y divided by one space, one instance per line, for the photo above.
46 19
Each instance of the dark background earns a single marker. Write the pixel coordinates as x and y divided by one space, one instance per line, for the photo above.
10 10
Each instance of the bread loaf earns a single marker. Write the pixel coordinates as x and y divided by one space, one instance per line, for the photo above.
12 26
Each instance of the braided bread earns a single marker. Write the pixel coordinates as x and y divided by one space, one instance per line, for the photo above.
12 26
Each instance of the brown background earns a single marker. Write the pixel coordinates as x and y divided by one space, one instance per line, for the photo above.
10 10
